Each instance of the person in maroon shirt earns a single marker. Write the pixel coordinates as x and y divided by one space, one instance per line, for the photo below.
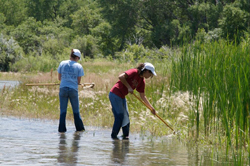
128 81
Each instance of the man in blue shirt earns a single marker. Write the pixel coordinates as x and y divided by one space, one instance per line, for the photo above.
70 73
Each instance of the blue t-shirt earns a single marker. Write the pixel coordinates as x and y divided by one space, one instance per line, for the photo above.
69 71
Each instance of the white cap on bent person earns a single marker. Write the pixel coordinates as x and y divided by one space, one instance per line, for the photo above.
77 52
150 67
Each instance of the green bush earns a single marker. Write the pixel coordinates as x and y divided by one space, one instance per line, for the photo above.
87 45
35 64
10 52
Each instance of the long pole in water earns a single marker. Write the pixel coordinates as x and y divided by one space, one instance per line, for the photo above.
155 113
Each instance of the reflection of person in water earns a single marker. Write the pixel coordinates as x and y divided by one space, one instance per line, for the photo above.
120 150
68 155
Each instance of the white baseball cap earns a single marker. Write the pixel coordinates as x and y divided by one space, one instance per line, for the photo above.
150 67
77 52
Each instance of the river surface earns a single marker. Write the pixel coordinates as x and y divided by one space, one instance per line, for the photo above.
36 142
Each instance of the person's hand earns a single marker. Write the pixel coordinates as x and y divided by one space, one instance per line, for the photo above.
153 111
130 90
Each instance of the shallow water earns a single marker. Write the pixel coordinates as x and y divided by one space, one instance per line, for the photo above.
36 142
8 84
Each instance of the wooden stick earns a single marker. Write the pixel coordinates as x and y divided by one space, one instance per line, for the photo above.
155 113
42 84
90 85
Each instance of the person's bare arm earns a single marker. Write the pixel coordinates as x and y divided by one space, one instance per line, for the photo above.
144 98
79 80
122 78
59 76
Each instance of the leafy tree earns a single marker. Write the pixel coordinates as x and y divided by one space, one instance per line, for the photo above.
2 20
233 21
86 18
54 38
179 34
52 9
157 16
106 43
245 6
213 14
14 11
5 29
122 15
69 7
43 9
87 45
198 14
10 52
27 34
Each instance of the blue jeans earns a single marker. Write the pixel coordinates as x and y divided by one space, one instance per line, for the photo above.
66 94
119 109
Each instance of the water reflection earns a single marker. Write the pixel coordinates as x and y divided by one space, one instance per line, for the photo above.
68 155
120 150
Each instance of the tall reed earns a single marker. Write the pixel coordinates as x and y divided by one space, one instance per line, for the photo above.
218 73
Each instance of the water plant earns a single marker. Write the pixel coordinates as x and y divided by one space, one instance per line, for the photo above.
217 74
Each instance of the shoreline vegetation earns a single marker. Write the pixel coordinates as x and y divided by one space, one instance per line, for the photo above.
201 90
